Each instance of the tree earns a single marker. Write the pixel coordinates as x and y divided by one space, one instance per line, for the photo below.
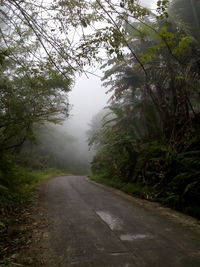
153 139
28 99
46 31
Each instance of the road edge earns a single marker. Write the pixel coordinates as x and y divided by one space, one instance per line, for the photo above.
173 215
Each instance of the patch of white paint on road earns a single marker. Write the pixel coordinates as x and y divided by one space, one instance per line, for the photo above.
113 222
131 237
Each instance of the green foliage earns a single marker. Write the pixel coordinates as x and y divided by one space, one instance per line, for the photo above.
28 99
17 182
162 6
130 188
159 174
152 138
150 145
17 187
102 178
185 44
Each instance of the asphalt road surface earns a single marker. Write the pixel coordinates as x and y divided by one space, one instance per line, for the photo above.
92 225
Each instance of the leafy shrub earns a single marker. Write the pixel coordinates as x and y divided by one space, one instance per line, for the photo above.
160 173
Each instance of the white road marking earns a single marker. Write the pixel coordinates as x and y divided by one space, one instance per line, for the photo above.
113 222
131 237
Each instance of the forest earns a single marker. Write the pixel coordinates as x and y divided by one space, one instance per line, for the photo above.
147 139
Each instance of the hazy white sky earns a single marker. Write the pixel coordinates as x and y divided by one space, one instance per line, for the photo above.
87 97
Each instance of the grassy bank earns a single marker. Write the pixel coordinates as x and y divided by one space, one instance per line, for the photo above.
130 188
17 188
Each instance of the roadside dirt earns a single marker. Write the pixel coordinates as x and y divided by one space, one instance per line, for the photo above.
37 251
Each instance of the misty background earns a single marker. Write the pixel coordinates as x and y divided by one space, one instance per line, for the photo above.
87 98
65 145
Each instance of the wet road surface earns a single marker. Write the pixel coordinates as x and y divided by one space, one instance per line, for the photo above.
91 225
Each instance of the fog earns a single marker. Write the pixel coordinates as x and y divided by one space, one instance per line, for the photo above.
87 98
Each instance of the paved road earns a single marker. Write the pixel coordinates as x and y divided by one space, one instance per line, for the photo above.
91 225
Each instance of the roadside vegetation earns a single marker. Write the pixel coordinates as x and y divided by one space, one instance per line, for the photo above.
148 142
18 190
34 81
147 139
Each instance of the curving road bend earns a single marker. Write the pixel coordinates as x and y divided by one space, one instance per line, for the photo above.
92 225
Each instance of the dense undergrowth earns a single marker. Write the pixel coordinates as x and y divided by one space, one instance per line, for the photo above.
158 174
130 188
17 187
